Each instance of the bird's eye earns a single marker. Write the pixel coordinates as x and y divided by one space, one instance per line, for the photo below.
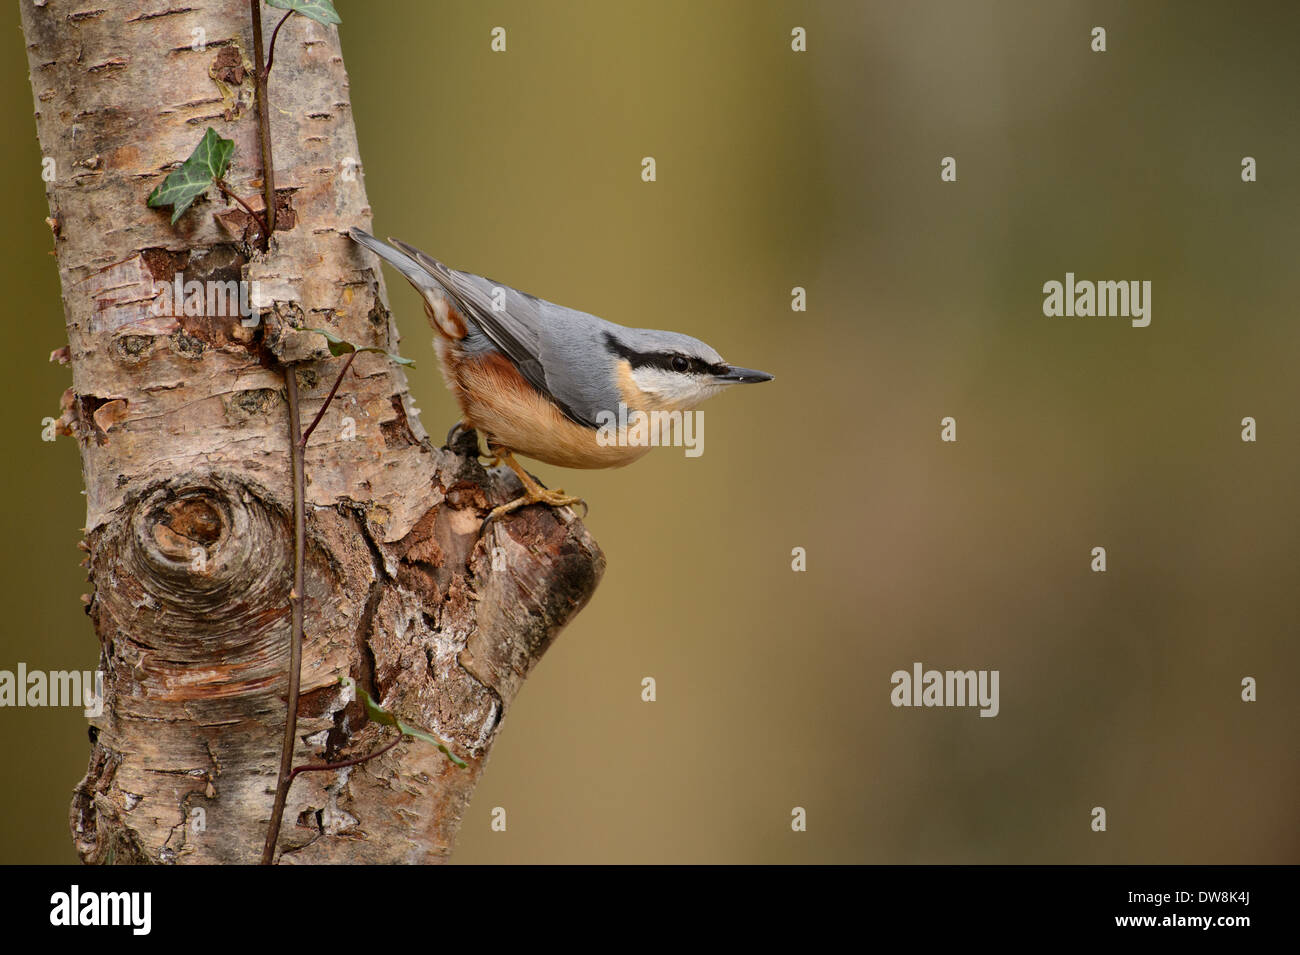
680 364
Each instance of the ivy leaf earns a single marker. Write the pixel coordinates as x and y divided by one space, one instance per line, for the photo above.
382 716
339 347
208 162
322 11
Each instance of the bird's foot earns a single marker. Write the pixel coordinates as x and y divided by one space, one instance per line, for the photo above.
539 495
534 492
465 439
458 433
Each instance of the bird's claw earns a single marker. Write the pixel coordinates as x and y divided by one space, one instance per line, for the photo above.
538 495
534 491
458 431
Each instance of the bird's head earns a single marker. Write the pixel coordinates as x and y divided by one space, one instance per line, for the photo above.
671 371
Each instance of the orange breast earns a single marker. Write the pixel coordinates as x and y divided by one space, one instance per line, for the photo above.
499 402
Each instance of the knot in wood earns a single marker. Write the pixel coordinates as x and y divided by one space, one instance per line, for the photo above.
207 545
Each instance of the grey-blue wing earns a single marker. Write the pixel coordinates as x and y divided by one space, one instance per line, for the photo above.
546 342
580 368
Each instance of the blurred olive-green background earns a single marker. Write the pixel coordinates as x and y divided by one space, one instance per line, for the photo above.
821 169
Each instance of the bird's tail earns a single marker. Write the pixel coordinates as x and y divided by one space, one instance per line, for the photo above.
425 281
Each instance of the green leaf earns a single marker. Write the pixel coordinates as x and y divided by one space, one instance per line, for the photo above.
208 162
339 347
382 716
322 11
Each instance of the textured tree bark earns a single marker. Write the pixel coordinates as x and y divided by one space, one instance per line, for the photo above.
182 424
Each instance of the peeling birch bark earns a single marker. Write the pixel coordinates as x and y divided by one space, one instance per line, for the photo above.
182 424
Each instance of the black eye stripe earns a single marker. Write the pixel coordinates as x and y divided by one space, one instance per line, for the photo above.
662 360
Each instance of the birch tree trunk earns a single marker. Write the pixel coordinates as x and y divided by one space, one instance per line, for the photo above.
183 428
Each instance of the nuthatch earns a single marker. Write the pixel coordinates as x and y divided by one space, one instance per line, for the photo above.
536 378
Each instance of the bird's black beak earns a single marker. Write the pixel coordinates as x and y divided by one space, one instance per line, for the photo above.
743 376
